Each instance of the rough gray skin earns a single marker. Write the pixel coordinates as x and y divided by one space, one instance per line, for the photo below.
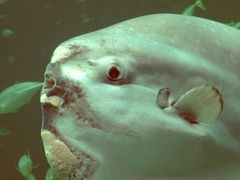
96 128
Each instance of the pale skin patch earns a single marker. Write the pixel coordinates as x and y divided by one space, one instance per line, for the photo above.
60 53
56 101
67 51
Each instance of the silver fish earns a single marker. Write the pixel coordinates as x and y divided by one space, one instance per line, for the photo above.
101 114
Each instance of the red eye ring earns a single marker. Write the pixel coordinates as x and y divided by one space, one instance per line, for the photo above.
114 72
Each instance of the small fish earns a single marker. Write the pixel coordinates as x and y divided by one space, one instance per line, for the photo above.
17 95
31 177
7 33
25 167
190 9
200 104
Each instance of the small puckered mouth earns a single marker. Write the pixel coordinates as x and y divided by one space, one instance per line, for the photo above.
64 98
58 91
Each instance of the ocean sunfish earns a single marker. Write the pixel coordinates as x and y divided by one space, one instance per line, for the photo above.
154 97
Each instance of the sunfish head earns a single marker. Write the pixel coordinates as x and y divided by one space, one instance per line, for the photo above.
101 118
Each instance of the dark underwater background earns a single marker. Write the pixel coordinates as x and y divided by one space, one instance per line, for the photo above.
38 27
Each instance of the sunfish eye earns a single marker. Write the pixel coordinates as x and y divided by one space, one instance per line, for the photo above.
115 72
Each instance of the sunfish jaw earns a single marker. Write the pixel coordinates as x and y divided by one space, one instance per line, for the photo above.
62 98
65 161
59 156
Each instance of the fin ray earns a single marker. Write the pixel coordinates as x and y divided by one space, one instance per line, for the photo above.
200 104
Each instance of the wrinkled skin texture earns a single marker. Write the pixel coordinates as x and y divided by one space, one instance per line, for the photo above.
96 128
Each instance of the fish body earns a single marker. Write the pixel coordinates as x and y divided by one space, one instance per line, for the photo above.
101 119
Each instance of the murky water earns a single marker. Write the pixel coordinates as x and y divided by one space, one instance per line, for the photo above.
38 27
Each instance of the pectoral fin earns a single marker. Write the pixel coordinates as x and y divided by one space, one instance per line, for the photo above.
200 104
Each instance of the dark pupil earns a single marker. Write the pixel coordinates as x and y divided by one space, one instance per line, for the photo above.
113 72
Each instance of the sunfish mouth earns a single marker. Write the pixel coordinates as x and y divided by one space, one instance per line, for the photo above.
137 99
59 99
